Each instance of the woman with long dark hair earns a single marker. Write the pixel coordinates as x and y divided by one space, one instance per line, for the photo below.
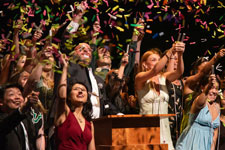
74 129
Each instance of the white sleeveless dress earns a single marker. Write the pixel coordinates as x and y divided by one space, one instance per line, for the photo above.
152 103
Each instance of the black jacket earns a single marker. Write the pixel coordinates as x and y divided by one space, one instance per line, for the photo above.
12 134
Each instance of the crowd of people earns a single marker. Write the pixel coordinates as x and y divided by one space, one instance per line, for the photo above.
49 97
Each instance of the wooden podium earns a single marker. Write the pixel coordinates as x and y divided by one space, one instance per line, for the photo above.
129 132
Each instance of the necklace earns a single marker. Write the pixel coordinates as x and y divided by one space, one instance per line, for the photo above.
80 120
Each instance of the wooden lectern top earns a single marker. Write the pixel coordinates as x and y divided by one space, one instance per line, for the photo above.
116 132
136 116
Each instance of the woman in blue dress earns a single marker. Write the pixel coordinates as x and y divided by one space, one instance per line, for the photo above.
202 130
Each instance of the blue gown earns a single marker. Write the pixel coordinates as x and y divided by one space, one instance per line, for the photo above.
198 135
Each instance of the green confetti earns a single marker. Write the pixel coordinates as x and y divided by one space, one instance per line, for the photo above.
93 18
38 11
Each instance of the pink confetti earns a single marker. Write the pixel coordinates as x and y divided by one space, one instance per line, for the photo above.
151 5
44 12
100 31
146 14
115 13
106 2
98 18
191 43
5 4
56 40
172 38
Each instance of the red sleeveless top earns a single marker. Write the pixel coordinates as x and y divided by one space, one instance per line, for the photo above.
69 135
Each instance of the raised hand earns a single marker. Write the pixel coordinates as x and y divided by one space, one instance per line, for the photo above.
37 35
220 54
213 81
179 47
96 28
125 59
64 60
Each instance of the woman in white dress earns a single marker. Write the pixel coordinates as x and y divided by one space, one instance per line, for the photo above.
150 84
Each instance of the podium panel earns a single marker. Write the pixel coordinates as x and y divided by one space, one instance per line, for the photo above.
134 147
129 132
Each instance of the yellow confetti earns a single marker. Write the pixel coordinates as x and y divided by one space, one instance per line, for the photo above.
117 37
115 8
202 11
210 23
220 37
54 45
87 28
68 15
29 30
128 40
127 26
135 20
121 10
13 47
202 26
23 28
209 52
128 15
120 16
120 45
119 28
107 10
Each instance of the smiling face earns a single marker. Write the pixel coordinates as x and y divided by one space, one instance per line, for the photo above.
212 94
84 52
12 99
104 57
78 94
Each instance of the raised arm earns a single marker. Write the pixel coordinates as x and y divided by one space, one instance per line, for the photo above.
124 62
4 75
192 80
201 100
32 52
142 77
62 108
37 71
175 74
138 37
16 39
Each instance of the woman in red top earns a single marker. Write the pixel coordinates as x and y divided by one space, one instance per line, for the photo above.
74 131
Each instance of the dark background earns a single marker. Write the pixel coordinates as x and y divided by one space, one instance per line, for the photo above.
177 13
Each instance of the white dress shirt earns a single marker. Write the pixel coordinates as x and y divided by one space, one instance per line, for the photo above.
94 99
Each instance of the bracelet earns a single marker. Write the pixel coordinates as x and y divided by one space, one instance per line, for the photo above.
61 86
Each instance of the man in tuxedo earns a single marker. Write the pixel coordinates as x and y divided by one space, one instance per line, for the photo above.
80 70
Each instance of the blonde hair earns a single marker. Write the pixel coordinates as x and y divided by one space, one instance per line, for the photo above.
145 57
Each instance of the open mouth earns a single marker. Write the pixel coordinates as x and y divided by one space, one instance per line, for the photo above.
17 103
86 56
